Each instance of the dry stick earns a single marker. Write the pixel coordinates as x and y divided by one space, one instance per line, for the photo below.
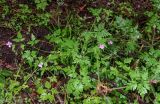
31 98
30 76
60 100
118 88
141 47
153 35
137 61
157 38
146 42
42 50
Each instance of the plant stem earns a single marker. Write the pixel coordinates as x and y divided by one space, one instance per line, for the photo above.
118 88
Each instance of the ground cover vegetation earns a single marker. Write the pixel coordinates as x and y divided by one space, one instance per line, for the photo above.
79 52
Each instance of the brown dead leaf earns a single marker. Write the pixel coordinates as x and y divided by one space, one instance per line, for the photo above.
102 89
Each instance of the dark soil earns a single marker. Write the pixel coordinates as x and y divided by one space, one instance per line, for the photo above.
7 56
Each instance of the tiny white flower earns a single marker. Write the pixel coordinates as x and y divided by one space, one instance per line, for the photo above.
9 44
40 65
110 42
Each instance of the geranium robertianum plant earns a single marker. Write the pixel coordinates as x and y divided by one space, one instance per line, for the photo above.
74 52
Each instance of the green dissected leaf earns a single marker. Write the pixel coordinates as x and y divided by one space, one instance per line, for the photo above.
69 44
41 90
87 35
52 57
139 81
50 97
5 73
157 101
48 85
70 71
127 28
57 32
122 23
123 66
95 12
86 80
156 4
13 84
2 79
142 90
53 38
19 37
54 91
33 37
33 40
127 60
74 87
94 100
41 4
30 56
131 46
100 31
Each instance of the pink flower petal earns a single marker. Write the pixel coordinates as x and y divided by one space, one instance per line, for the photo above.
110 42
9 44
101 46
40 65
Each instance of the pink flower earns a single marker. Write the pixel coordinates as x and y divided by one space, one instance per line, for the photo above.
110 42
9 44
101 46
40 65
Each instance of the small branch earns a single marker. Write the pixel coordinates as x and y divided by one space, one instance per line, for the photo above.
141 47
31 98
154 32
118 88
60 100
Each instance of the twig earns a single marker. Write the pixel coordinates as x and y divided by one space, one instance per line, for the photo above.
31 99
118 88
153 35
60 100
141 47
